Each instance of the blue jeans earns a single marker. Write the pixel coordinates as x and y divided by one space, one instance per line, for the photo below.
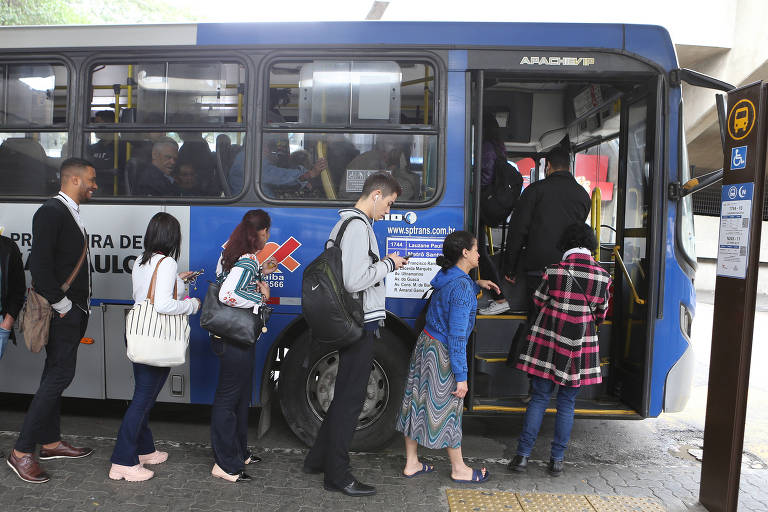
134 437
229 415
541 391
4 336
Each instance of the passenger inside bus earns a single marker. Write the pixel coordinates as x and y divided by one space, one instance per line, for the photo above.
102 154
156 178
195 150
278 178
186 177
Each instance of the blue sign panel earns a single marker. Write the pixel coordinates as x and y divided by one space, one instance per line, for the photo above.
738 158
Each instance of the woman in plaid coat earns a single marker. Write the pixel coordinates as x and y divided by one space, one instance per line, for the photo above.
563 349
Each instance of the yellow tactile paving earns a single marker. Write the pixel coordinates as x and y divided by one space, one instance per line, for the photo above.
465 500
624 504
471 500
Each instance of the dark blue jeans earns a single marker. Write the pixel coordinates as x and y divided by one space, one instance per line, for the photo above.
541 391
42 424
134 437
229 415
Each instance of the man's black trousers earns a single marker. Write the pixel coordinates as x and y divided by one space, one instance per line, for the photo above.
42 424
331 449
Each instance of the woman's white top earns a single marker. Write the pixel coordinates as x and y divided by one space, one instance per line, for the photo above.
240 288
167 276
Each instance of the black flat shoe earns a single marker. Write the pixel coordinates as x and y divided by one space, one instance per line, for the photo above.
519 464
250 458
243 477
555 467
354 489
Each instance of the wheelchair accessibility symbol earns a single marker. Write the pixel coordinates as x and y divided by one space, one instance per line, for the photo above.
738 158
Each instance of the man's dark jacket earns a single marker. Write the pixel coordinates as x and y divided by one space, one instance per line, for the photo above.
13 283
151 181
541 215
57 243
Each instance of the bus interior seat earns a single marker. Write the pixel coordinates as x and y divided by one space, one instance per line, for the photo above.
24 167
224 153
224 158
132 167
128 115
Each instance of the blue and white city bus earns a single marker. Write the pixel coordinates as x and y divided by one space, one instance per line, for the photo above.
252 106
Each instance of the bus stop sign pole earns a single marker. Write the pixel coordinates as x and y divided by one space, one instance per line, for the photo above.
741 215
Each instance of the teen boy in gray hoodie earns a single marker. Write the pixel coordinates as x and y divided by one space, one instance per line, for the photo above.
364 274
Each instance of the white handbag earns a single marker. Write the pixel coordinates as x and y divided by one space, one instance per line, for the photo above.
156 339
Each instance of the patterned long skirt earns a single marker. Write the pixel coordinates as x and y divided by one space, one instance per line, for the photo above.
430 414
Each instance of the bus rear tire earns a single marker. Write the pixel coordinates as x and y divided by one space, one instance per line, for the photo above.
305 392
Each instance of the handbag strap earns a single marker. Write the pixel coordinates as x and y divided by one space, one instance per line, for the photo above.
65 287
581 289
151 292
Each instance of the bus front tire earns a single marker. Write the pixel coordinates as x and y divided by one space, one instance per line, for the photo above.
306 390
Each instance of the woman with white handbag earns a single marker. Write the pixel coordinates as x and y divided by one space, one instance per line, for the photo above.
157 332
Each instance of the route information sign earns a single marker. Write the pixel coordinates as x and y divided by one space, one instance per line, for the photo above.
736 209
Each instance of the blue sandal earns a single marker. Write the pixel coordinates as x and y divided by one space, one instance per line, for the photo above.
424 470
477 477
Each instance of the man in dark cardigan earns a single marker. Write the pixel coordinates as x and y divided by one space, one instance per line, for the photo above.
58 238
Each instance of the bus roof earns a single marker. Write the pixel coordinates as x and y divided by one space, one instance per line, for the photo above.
649 41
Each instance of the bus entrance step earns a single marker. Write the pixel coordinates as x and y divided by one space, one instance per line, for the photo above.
585 407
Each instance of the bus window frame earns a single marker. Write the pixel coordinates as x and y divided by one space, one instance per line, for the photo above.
253 159
688 265
174 54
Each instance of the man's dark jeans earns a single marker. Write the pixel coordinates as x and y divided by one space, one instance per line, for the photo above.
330 451
229 415
42 424
135 437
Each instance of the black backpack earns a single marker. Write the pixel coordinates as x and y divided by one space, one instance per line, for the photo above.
497 199
333 315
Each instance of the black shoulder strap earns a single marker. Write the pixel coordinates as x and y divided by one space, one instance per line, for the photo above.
581 289
343 228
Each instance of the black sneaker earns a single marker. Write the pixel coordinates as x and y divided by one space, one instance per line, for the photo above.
555 467
519 464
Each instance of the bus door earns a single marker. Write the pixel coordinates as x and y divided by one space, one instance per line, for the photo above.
630 350
611 137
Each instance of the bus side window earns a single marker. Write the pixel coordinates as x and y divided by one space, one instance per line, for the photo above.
364 98
31 96
178 158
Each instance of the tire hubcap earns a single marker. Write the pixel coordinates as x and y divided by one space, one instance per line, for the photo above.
319 390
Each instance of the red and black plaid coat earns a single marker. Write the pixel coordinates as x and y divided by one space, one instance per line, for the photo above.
562 343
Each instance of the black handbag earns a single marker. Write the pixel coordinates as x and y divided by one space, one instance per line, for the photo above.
237 325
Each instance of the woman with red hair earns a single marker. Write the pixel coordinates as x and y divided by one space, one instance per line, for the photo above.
242 286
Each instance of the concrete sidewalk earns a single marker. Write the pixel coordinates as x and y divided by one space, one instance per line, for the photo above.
628 458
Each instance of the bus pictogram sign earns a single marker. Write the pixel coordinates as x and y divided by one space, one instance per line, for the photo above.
741 119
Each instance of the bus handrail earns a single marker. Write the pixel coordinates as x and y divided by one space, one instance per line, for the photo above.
617 256
595 218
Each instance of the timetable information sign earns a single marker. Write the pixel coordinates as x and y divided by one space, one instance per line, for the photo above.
412 280
733 245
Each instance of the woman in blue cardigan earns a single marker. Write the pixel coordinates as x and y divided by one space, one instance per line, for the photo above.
437 379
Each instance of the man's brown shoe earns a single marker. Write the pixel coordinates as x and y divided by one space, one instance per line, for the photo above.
27 468
64 451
